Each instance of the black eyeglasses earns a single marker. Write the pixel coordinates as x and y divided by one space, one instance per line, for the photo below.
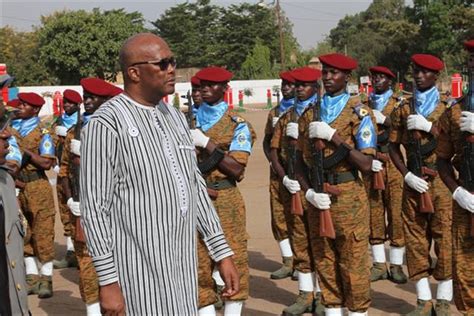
162 63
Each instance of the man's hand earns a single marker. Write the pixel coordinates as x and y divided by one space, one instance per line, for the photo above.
464 198
377 165
418 122
76 147
60 130
292 186
292 130
74 207
229 274
321 201
467 122
111 300
321 130
416 183
199 139
379 117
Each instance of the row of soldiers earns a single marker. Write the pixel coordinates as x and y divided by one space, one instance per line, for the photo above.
324 213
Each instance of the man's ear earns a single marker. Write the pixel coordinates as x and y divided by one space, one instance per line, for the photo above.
348 76
133 74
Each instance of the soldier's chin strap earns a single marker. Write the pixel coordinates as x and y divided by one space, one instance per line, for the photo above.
210 163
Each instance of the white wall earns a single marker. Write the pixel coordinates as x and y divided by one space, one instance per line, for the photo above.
259 89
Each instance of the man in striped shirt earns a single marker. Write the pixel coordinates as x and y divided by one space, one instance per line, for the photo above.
143 196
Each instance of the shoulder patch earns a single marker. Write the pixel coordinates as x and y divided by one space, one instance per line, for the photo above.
44 131
238 119
360 111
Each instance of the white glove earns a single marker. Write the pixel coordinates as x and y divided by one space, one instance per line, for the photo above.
464 198
321 201
416 183
199 139
17 191
60 130
56 169
76 147
274 121
321 130
467 122
292 186
418 122
379 117
377 165
74 207
292 130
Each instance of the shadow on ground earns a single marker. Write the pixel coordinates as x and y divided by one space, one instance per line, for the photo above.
259 262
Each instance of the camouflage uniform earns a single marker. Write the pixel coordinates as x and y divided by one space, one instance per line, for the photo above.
88 281
342 263
277 190
297 225
450 144
36 200
389 200
420 229
230 208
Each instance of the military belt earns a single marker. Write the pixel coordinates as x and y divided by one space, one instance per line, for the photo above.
221 184
335 178
31 176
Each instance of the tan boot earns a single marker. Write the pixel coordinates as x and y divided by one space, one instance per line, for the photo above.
423 308
220 303
378 272
318 307
442 308
69 261
303 304
45 287
397 275
285 271
32 282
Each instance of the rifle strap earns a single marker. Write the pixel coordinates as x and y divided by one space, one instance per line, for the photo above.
383 138
216 156
428 148
337 156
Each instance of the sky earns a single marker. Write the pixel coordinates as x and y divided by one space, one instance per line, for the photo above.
312 19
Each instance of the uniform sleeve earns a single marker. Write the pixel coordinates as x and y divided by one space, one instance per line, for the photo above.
445 146
303 133
365 134
66 157
208 224
242 139
14 153
269 124
46 147
275 142
98 159
396 130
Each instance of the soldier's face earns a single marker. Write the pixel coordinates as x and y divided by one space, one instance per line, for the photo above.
212 92
92 102
196 94
26 111
381 83
335 80
69 107
287 89
305 90
424 78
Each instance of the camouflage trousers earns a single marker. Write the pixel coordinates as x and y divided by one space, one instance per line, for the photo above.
231 210
421 229
386 209
299 236
463 261
342 264
37 204
278 218
88 281
64 210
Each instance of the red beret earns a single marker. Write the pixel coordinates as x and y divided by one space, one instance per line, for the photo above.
306 74
31 98
382 70
72 96
286 75
13 103
195 81
427 61
114 90
97 87
214 74
338 61
469 45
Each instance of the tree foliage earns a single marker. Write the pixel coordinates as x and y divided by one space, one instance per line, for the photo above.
77 44
257 65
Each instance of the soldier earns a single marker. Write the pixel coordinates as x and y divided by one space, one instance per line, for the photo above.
196 93
72 101
95 93
348 132
286 131
15 122
456 127
422 228
386 202
224 141
277 190
36 195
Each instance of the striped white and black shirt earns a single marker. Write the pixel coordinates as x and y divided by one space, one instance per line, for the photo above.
142 198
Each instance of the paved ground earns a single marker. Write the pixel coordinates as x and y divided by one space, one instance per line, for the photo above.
267 297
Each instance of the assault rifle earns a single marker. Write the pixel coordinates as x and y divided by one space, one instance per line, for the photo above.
75 185
326 226
415 160
296 206
467 169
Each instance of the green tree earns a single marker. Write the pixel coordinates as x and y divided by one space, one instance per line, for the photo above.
77 44
257 65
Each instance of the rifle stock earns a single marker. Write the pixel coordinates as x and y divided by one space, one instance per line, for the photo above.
378 182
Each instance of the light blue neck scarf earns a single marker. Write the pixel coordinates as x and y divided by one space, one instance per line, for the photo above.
28 125
331 107
427 101
69 120
302 105
379 101
208 115
86 118
285 104
16 124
